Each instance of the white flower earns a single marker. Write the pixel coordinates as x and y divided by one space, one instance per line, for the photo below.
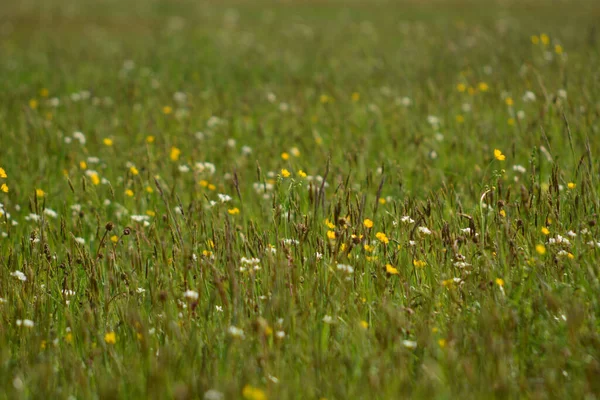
562 93
409 344
521 115
328 319
19 275
519 168
224 198
180 97
529 96
183 168
571 234
280 334
190 294
213 394
33 217
466 230
80 240
27 323
140 218
51 213
231 142
79 136
246 150
140 290
407 220
345 268
236 332
424 230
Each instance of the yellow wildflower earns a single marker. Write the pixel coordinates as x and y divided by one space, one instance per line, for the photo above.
355 97
331 234
571 185
368 223
114 238
541 249
107 142
498 155
301 174
252 393
364 324
483 87
129 192
95 179
544 39
40 193
382 237
233 211
419 263
285 173
545 230
391 269
33 104
3 173
175 153
150 139
285 156
500 282
167 110
110 338
461 87
134 170
4 188
535 39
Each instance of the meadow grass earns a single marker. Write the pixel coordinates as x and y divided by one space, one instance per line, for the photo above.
311 199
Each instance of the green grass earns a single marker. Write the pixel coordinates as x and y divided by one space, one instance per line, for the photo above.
386 111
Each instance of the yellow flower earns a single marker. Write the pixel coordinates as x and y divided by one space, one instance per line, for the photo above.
558 49
82 165
95 179
355 97
510 121
419 263
368 248
203 183
535 39
368 223
571 185
571 256
545 39
33 104
461 87
175 153
69 337
499 281
252 393
134 170
110 338
460 119
285 173
107 142
498 155
234 211
4 188
502 213
509 101
301 174
545 230
150 213
541 249
285 156
329 224
150 139
40 193
391 270
3 173
381 200
483 87
331 234
295 151
442 343
382 237
167 110
364 324
149 189
324 98
129 192
211 187
114 238
44 92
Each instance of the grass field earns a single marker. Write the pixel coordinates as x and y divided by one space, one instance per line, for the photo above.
303 199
